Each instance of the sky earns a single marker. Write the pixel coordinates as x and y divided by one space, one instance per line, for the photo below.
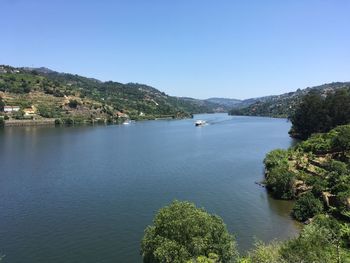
194 48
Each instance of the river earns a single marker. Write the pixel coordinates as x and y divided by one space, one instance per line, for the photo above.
85 194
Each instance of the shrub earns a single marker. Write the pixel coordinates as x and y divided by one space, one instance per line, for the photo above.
317 242
58 122
307 206
341 141
73 103
275 158
265 253
317 143
182 232
280 181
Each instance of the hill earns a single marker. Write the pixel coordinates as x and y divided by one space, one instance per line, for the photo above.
69 97
230 103
282 105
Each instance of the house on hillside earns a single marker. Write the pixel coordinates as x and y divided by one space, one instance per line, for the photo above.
29 111
10 109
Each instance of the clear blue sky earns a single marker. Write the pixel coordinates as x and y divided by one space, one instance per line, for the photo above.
197 48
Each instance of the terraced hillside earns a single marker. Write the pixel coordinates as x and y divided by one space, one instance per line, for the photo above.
68 97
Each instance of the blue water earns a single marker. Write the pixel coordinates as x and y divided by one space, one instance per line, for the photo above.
85 194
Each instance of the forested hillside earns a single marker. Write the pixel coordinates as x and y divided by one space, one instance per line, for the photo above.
283 105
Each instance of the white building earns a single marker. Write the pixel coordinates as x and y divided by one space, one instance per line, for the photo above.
11 108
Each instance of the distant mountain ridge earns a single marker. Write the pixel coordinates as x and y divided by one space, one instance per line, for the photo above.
281 105
225 101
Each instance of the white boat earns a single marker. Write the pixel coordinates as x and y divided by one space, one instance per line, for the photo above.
200 123
127 122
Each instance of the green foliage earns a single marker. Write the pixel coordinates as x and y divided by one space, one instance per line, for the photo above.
284 105
319 185
265 253
280 182
337 173
341 140
18 115
318 143
212 258
276 158
48 111
307 206
2 122
73 104
318 242
318 114
2 104
314 165
182 232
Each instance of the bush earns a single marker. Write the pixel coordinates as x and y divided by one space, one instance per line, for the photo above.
275 158
318 184
73 103
58 122
317 242
341 141
317 143
265 253
68 121
307 206
280 181
182 232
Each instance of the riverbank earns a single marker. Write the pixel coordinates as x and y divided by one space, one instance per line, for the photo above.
20 123
73 121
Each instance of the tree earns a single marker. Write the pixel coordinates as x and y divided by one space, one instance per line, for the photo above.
2 104
319 242
310 116
307 206
280 181
265 253
342 139
275 158
182 232
338 107
73 103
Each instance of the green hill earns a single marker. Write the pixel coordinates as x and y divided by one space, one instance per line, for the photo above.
72 97
282 105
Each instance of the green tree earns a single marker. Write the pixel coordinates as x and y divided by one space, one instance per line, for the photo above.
310 117
73 103
280 181
307 206
342 139
276 158
265 253
183 232
318 242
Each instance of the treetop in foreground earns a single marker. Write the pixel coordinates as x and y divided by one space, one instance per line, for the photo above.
181 232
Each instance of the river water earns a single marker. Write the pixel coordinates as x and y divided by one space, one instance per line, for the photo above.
85 194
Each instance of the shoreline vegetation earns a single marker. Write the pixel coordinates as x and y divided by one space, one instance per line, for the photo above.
315 173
